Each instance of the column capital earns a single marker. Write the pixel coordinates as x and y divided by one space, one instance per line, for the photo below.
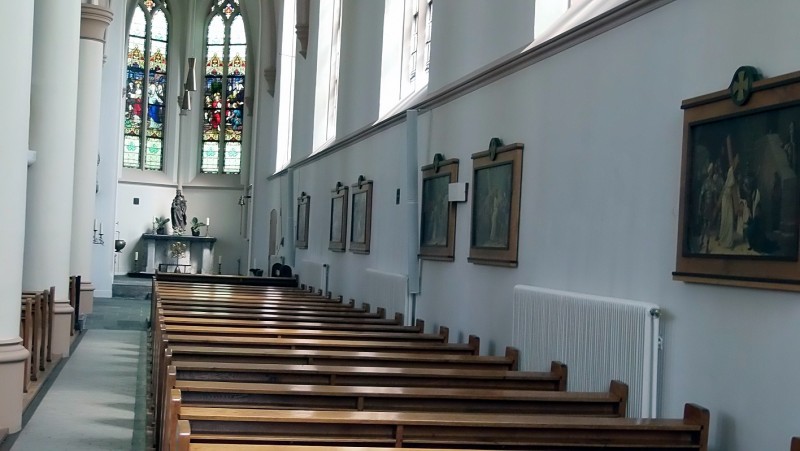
94 21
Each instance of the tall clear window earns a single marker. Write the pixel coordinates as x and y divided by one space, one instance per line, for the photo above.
326 93
288 52
146 87
223 89
428 29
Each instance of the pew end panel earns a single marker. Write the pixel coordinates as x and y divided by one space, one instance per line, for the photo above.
474 342
698 415
513 355
795 444
560 370
620 390
444 331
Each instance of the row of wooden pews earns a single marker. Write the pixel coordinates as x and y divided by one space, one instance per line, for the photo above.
241 367
36 330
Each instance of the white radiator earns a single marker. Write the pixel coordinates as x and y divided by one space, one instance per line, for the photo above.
314 274
390 291
598 338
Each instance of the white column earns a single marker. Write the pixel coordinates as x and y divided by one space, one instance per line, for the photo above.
54 86
16 42
94 21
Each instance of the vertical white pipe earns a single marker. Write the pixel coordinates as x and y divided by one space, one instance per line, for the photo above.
288 202
412 191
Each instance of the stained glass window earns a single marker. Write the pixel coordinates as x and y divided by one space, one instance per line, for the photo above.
223 90
146 86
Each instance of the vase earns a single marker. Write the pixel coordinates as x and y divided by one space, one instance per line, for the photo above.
196 232
161 230
119 245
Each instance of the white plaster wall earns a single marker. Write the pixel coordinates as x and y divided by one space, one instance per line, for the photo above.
602 128
360 67
468 34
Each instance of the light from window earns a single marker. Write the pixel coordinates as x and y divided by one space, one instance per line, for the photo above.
146 87
286 86
428 29
223 90
327 86
413 41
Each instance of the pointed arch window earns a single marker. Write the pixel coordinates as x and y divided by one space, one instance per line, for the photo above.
223 90
146 86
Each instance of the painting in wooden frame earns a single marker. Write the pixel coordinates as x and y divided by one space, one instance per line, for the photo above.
437 235
303 209
361 216
740 196
338 224
496 192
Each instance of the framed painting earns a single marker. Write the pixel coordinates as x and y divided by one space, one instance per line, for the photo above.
438 216
303 206
361 217
738 222
338 228
496 191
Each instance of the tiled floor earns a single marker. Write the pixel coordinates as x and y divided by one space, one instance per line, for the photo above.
97 402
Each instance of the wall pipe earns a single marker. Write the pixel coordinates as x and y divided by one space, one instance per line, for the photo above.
288 211
412 208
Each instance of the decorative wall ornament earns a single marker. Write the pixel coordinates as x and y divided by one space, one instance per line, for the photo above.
740 196
438 219
361 217
338 224
303 210
301 27
497 187
269 76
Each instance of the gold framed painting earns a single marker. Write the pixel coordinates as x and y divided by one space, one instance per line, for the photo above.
338 225
740 196
303 208
496 192
361 216
437 235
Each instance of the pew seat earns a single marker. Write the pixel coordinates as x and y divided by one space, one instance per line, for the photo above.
555 379
428 429
398 398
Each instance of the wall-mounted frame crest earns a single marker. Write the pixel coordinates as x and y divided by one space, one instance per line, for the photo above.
361 218
496 191
303 210
338 224
437 235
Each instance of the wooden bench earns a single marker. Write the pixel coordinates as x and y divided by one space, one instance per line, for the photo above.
186 446
26 332
554 380
423 399
274 332
427 429
290 282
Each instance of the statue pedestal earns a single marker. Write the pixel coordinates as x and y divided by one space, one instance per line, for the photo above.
199 258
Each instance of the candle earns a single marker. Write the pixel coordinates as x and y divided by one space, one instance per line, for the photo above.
101 228
255 262
95 225
136 256
219 260
208 221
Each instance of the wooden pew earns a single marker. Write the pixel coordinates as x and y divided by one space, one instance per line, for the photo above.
395 325
398 398
274 332
237 447
26 332
795 444
428 429
36 346
290 282
554 380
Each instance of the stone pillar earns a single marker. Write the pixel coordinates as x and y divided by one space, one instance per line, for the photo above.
94 21
16 42
54 86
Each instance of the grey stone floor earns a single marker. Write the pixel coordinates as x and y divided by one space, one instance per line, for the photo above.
97 399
